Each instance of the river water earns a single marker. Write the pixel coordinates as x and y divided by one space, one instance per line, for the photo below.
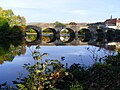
15 53
82 54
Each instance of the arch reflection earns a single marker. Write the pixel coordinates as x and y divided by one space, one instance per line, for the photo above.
49 35
84 35
100 35
67 35
33 33
110 35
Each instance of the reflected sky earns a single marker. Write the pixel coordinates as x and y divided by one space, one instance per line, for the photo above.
73 54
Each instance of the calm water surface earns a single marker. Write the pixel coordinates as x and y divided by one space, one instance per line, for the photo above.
83 55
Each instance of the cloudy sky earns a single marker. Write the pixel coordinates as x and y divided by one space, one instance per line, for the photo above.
64 10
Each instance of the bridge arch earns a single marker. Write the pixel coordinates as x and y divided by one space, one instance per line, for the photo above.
84 34
71 34
84 31
99 31
117 37
38 31
110 34
99 35
117 32
49 30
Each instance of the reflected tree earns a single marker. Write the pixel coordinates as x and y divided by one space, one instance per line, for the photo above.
10 48
12 30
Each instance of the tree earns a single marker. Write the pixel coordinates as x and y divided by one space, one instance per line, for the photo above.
59 24
11 18
72 23
4 26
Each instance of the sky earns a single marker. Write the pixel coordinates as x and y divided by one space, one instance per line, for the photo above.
86 11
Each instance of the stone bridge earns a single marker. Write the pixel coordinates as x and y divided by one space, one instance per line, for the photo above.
77 36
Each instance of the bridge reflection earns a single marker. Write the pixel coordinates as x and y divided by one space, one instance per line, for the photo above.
68 36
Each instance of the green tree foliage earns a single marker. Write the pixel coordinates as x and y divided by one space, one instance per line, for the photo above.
72 23
4 26
16 31
59 24
11 18
11 34
43 75
10 24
